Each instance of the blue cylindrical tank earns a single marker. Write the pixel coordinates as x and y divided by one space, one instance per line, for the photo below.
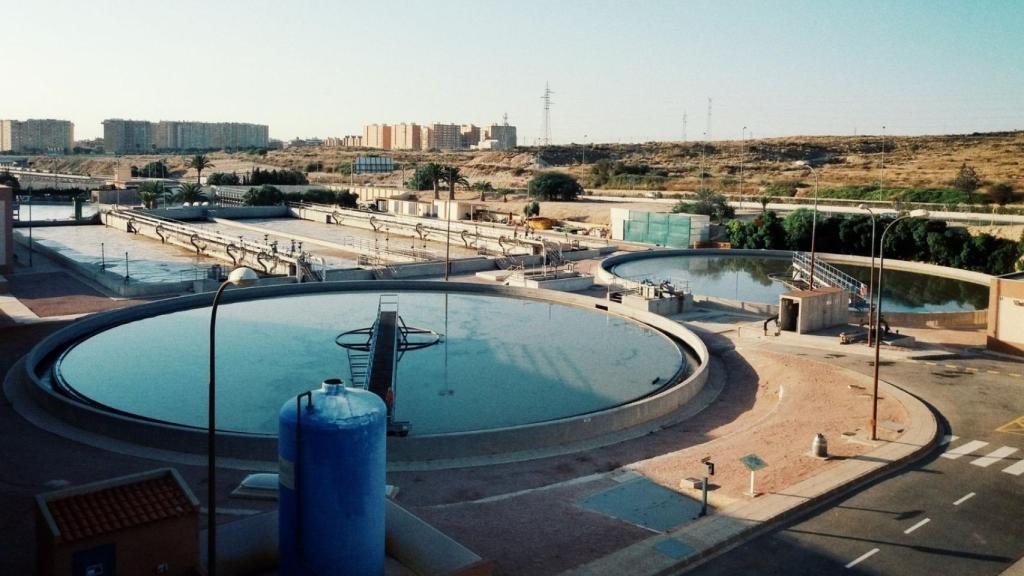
331 449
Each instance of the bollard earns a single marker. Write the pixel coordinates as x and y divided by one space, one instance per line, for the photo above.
819 447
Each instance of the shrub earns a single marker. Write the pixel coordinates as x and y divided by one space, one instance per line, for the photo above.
554 186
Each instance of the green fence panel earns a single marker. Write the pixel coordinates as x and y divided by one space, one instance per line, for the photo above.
636 231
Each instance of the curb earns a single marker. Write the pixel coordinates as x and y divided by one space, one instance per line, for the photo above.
695 542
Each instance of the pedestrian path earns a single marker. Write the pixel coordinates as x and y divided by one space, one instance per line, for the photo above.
982 454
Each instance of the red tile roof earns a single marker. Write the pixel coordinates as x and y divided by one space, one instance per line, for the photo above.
119 507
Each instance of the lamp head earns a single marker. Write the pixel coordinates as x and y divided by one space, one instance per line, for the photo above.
919 213
242 276
862 206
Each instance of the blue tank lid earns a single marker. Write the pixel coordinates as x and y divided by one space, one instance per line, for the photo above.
337 405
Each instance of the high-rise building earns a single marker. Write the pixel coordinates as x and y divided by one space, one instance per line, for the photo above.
427 138
377 136
128 136
405 137
121 136
469 135
35 135
446 136
503 134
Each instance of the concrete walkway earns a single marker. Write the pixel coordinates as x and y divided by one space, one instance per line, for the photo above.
712 535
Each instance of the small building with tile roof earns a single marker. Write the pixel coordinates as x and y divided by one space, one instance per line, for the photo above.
145 523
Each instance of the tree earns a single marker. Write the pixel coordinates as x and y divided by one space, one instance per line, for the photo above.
265 195
450 175
554 186
222 179
708 203
151 193
531 209
426 177
8 179
157 169
1001 193
483 187
190 192
967 180
200 162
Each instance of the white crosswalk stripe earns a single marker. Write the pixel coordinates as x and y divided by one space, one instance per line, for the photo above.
965 449
1016 469
994 456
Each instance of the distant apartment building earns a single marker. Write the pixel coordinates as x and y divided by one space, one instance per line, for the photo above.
344 142
35 135
436 136
405 137
129 136
503 135
377 136
446 136
469 135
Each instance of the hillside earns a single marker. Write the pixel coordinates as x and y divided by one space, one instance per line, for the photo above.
730 166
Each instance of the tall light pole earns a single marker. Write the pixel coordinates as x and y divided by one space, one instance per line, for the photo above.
878 314
240 276
814 219
881 176
871 274
743 142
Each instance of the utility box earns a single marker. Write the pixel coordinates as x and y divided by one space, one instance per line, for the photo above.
144 523
805 311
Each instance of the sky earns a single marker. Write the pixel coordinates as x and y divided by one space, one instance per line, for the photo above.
620 71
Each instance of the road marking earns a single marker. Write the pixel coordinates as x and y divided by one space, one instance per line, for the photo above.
1016 469
966 497
930 363
953 366
1014 374
1015 426
863 557
994 456
948 438
971 369
916 526
965 449
993 371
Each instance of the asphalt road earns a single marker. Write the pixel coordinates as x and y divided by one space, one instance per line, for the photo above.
946 514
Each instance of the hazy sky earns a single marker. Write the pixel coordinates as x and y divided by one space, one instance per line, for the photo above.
620 70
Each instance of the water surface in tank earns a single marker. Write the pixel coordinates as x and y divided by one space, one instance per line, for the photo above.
752 279
501 361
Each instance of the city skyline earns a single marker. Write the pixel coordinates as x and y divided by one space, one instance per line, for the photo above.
617 75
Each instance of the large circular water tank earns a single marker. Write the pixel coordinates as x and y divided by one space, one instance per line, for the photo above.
331 448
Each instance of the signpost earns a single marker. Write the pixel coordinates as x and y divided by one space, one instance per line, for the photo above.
753 462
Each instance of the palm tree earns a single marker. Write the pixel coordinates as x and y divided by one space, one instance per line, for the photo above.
190 192
200 162
435 172
151 192
450 174
483 187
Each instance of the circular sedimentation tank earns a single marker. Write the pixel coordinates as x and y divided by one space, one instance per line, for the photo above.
498 370
747 276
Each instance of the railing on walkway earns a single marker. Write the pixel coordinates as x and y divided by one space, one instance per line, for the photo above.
826 274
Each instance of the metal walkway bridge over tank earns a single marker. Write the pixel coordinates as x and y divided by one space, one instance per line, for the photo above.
374 353
826 274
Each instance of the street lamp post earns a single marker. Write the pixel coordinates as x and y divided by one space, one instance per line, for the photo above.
878 314
814 220
240 276
871 275
743 142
